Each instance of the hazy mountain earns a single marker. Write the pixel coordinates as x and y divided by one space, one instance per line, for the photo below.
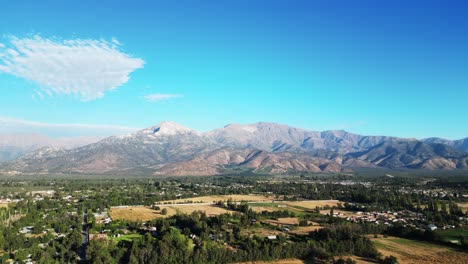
171 149
13 146
163 143
276 138
413 154
461 144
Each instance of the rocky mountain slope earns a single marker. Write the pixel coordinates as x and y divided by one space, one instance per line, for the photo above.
163 143
266 148
227 160
276 138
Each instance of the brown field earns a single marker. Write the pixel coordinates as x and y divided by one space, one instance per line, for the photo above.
260 209
210 210
463 206
293 221
260 231
359 260
313 203
305 230
141 213
137 213
3 205
284 221
416 252
216 198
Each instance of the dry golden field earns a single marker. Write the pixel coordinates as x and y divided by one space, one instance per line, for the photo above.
141 213
137 213
305 230
463 206
260 209
4 205
261 231
416 252
210 210
313 203
284 221
216 198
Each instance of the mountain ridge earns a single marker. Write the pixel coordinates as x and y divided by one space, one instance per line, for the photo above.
169 148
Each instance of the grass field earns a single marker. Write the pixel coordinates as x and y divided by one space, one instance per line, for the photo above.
3 205
128 237
216 198
269 207
411 251
451 235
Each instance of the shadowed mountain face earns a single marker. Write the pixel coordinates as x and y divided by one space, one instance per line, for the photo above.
413 154
266 148
461 144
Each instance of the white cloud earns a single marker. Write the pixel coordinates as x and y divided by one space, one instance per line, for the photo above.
12 125
83 67
160 97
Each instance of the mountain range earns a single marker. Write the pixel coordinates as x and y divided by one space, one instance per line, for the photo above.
261 148
13 146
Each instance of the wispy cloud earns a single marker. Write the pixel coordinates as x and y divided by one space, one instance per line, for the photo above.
84 67
157 97
11 125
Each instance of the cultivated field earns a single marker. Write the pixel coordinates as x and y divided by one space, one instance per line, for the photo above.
142 213
284 221
137 213
416 252
209 209
305 230
311 205
216 198
261 231
260 209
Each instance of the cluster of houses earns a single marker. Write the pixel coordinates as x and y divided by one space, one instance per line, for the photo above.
407 218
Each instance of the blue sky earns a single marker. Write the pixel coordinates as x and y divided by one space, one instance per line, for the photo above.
369 67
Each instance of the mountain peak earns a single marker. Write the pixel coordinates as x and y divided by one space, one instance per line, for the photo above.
168 128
